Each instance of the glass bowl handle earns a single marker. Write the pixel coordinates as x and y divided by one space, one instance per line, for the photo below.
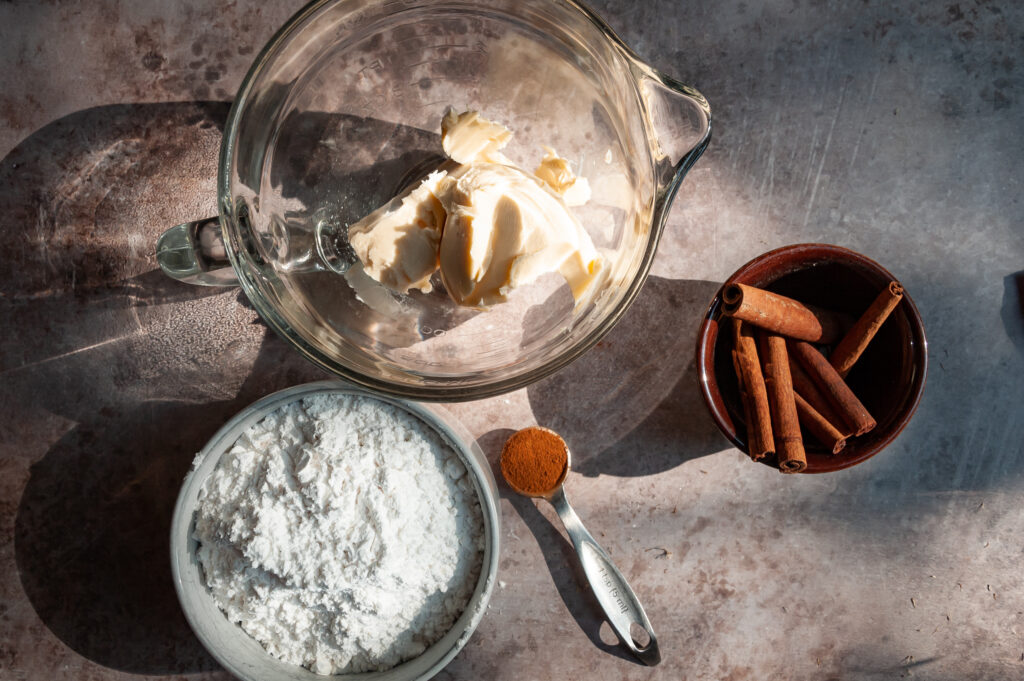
194 252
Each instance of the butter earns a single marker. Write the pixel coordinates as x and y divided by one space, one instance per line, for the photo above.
469 138
554 171
504 230
398 243
489 225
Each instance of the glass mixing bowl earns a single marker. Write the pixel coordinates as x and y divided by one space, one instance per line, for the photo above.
341 111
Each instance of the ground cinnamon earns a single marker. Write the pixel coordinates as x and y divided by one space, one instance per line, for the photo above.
534 461
849 349
789 445
781 315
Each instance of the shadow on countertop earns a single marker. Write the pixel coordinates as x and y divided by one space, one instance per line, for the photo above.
92 528
1012 310
631 406
115 375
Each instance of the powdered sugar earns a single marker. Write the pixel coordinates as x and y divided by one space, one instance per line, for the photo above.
341 533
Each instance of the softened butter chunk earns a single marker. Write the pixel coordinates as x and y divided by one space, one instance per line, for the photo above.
469 137
398 243
489 225
504 230
555 172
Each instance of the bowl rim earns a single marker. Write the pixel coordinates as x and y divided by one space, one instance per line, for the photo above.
438 419
707 336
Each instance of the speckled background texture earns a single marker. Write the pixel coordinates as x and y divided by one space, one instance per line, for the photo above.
894 129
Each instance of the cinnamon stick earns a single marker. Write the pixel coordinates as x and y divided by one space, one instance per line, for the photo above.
752 392
744 399
781 315
789 445
818 426
833 387
805 387
849 349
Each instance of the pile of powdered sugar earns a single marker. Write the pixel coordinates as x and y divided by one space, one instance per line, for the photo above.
341 533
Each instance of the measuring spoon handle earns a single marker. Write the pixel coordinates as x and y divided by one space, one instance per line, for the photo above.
617 599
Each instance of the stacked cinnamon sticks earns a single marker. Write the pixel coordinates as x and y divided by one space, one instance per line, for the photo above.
784 379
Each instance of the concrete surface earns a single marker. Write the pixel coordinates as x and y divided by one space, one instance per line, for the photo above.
895 129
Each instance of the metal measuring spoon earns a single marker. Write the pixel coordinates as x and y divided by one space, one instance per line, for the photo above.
617 599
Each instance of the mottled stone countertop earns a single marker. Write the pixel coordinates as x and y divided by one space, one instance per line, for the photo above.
895 129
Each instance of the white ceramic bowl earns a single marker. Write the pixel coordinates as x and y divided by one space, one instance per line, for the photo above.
242 655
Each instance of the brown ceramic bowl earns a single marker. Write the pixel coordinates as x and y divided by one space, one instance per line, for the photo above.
889 377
